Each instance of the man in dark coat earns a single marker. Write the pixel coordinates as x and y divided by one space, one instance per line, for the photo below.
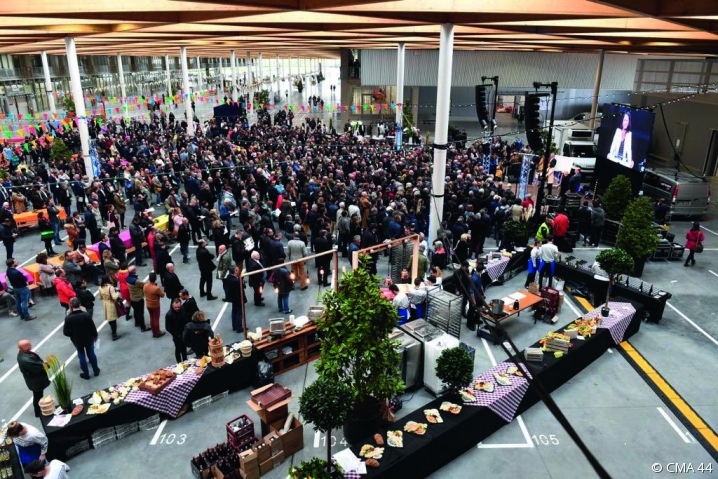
163 259
231 284
276 250
172 283
81 330
33 371
369 238
117 245
137 235
7 236
256 281
91 225
322 244
206 266
175 322
189 305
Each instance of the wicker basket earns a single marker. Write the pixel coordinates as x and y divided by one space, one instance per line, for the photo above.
47 405
216 351
245 347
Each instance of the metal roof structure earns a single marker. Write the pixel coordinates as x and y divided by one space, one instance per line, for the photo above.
319 28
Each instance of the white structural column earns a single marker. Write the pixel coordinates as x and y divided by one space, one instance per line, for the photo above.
250 78
443 92
220 77
259 70
186 90
400 54
168 78
597 89
233 74
279 82
289 77
199 74
48 83
76 88
123 92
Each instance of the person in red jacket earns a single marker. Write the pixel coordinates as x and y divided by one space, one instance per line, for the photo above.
560 228
693 237
64 289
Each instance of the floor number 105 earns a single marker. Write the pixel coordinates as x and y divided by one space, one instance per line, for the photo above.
545 440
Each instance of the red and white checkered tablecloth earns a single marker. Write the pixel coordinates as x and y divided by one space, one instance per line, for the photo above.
496 269
617 321
171 399
504 400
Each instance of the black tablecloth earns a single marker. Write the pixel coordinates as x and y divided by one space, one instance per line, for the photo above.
231 377
423 455
654 304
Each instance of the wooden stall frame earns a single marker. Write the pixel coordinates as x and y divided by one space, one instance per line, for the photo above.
389 244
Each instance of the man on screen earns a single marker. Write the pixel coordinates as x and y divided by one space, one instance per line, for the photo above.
621 147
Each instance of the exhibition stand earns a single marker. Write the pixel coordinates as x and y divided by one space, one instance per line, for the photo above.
458 433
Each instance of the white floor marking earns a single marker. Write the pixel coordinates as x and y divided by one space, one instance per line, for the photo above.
317 436
529 443
673 425
701 330
219 316
567 300
710 231
712 272
158 433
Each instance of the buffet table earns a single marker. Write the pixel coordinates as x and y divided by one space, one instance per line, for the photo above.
29 218
444 442
230 377
654 304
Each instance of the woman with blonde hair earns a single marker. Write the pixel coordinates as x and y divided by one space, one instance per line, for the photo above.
196 334
47 272
109 296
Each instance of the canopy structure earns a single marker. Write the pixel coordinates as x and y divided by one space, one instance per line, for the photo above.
210 28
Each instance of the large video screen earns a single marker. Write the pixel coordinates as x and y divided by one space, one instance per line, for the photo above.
625 135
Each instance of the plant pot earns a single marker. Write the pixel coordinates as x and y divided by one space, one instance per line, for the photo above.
638 265
605 311
363 422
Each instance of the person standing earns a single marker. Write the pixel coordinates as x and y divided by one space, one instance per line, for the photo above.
256 281
81 330
296 249
55 470
189 305
8 237
694 237
153 293
183 237
91 224
321 245
18 281
284 284
32 368
31 444
109 296
54 216
534 261
137 235
137 297
117 245
46 233
172 283
560 228
63 288
224 261
584 223
162 259
598 219
196 334
231 284
549 255
206 266
87 299
175 323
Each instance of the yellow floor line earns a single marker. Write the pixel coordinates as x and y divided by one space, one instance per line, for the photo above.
704 430
584 302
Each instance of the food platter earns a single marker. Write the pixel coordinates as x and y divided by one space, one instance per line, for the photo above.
395 438
371 452
502 379
450 407
98 409
433 416
416 427
485 386
155 382
467 395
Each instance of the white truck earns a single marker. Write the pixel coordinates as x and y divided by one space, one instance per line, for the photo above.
577 143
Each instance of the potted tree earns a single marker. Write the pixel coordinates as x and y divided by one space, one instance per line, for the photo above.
455 369
614 262
513 234
326 404
618 194
356 349
637 237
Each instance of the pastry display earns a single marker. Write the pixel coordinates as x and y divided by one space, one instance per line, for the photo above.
502 379
485 386
379 439
157 381
370 452
450 407
415 427
433 416
97 409
395 438
467 395
372 463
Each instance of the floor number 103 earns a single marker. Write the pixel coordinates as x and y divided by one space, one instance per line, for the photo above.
545 440
173 439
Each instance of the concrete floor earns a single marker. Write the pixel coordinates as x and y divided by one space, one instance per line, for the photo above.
609 404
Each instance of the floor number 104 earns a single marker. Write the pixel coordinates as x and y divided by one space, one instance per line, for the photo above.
545 440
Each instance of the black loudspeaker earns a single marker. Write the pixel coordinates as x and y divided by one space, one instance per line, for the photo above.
532 119
482 111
